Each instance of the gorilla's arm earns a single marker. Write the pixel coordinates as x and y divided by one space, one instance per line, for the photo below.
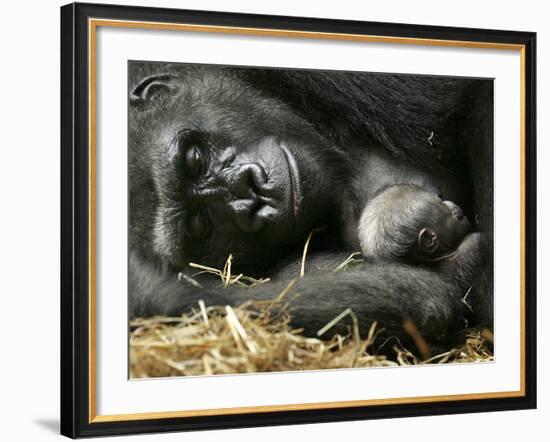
388 294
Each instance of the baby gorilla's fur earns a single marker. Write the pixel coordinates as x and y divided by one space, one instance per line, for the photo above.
409 224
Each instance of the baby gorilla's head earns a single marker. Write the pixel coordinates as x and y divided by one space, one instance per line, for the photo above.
409 224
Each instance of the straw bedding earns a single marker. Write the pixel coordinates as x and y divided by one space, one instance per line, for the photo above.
256 337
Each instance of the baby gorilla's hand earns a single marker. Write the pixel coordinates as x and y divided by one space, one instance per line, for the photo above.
464 264
471 245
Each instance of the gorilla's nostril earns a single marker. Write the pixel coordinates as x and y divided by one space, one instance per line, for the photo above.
247 181
258 177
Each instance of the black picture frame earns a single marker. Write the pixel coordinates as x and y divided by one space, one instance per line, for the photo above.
76 404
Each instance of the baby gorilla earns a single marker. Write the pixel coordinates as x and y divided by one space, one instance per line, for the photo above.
409 224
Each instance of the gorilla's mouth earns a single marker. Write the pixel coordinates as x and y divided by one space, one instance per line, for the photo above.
294 175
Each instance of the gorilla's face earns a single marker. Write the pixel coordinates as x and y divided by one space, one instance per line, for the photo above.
234 172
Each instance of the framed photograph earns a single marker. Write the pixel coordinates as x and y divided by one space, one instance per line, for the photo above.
274 220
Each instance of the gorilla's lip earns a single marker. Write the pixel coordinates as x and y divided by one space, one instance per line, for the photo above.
294 179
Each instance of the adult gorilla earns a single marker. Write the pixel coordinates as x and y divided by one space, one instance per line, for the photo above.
249 161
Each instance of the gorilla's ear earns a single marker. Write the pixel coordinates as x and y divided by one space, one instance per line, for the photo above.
428 241
152 87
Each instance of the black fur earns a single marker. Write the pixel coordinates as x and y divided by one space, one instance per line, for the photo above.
353 134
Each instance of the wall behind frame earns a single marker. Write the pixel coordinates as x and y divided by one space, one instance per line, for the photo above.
29 225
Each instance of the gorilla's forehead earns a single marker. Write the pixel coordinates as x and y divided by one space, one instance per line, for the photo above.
215 102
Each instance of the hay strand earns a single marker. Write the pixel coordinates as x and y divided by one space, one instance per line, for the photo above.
257 337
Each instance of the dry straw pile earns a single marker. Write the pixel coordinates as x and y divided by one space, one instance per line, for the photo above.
257 337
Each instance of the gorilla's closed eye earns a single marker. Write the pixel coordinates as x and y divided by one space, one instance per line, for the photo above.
191 148
193 163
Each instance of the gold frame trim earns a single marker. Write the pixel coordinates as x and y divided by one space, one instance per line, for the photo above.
93 24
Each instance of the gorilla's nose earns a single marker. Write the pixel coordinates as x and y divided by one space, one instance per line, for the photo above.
246 180
249 207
